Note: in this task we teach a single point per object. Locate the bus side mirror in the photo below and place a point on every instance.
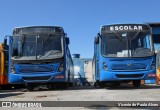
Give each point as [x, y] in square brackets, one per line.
[67, 41]
[97, 40]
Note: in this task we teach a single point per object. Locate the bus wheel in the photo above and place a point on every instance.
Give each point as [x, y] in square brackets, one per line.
[30, 87]
[6, 87]
[65, 85]
[116, 84]
[70, 84]
[18, 86]
[51, 86]
[101, 84]
[136, 83]
[62, 85]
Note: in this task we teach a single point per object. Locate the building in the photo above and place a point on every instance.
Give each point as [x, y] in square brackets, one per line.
[82, 70]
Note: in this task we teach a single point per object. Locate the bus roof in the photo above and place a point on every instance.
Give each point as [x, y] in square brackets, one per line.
[154, 24]
[38, 30]
[124, 27]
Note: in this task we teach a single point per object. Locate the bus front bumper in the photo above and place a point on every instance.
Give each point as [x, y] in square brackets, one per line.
[130, 75]
[37, 78]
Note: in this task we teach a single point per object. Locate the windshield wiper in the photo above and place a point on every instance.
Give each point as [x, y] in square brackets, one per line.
[52, 52]
[135, 35]
[119, 38]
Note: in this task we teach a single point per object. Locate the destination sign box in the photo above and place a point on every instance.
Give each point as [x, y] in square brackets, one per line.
[126, 27]
[38, 29]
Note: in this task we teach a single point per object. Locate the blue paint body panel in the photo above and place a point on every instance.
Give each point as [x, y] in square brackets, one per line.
[119, 70]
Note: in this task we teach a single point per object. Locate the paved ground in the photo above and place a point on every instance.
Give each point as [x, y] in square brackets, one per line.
[84, 93]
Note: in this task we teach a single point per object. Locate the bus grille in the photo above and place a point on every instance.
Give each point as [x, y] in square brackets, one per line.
[129, 75]
[132, 66]
[36, 78]
[36, 68]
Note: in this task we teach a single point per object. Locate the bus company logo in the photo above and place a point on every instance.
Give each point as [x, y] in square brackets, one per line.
[6, 104]
[35, 67]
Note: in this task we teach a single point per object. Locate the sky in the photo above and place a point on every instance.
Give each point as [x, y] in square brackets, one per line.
[81, 19]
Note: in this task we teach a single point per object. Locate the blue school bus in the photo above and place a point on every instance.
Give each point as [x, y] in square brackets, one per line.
[123, 53]
[40, 55]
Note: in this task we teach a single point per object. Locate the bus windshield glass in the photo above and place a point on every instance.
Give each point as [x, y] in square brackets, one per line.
[126, 44]
[37, 47]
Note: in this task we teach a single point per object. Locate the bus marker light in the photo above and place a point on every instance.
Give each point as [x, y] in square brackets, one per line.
[151, 75]
[59, 76]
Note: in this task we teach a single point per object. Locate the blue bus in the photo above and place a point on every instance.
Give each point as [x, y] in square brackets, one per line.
[40, 55]
[123, 53]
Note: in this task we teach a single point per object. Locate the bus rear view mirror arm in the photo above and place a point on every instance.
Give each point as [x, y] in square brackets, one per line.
[67, 41]
[97, 38]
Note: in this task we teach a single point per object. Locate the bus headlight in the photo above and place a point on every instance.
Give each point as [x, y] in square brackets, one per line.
[104, 67]
[12, 69]
[152, 65]
[61, 68]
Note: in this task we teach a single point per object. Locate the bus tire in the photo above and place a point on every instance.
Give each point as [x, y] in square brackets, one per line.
[101, 84]
[30, 87]
[65, 85]
[51, 86]
[6, 87]
[116, 84]
[70, 84]
[136, 83]
[18, 86]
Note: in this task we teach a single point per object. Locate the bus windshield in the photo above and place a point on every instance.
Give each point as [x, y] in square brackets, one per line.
[126, 44]
[37, 47]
